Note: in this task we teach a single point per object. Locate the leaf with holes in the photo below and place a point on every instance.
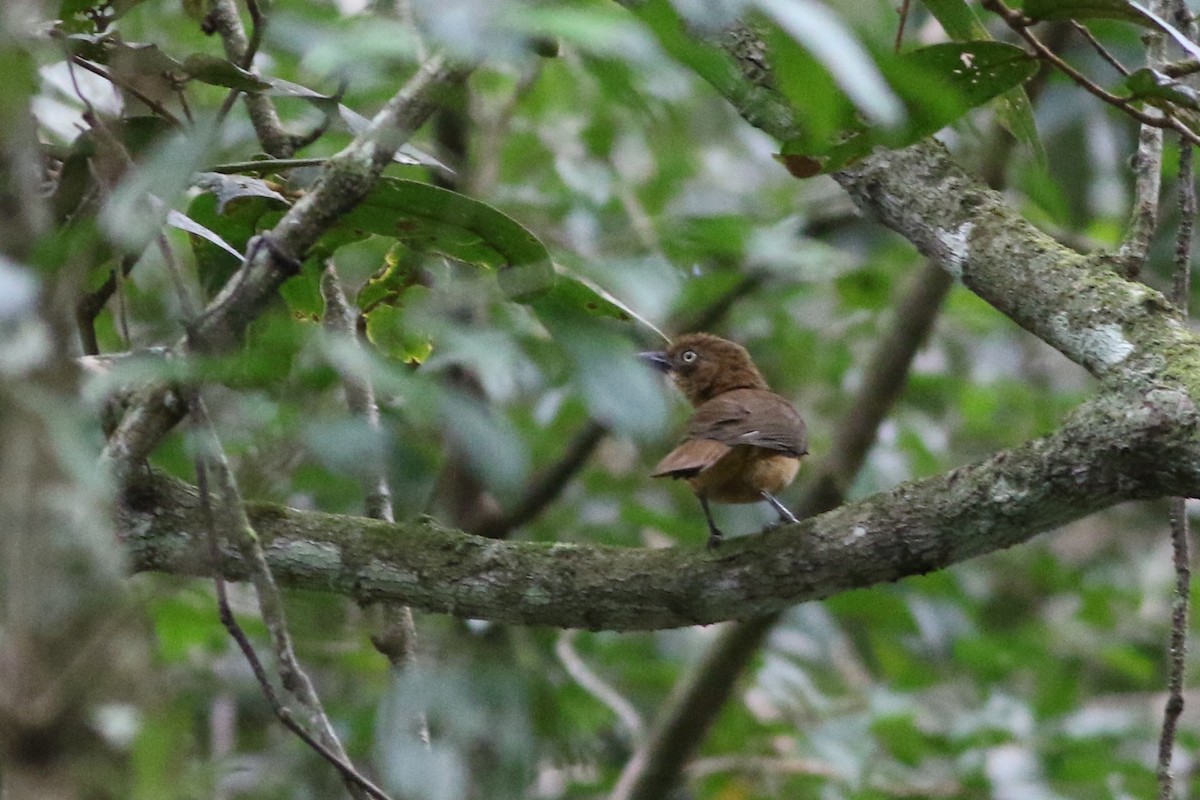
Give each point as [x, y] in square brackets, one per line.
[1013, 109]
[938, 85]
[430, 219]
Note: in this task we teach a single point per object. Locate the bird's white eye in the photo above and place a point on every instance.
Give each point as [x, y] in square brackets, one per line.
[688, 356]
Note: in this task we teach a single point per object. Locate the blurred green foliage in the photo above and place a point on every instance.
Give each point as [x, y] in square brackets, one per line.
[614, 169]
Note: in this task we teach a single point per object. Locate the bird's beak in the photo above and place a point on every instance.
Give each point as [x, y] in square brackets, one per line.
[656, 359]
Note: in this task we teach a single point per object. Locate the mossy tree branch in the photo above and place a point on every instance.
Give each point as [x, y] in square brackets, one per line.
[1115, 448]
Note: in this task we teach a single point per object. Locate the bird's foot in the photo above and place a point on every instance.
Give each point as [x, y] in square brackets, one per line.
[781, 509]
[714, 539]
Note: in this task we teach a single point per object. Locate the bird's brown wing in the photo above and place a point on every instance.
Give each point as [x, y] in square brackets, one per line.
[690, 458]
[752, 417]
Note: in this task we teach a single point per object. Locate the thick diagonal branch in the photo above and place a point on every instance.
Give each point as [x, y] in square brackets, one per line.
[1115, 448]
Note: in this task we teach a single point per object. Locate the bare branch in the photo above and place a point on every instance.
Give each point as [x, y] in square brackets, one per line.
[1180, 544]
[155, 106]
[593, 684]
[224, 20]
[1147, 168]
[233, 523]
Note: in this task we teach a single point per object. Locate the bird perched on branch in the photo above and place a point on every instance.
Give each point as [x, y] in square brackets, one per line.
[744, 443]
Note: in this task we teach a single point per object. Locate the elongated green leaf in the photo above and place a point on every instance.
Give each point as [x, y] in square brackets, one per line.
[958, 20]
[707, 61]
[235, 223]
[1107, 9]
[938, 84]
[222, 72]
[819, 31]
[386, 329]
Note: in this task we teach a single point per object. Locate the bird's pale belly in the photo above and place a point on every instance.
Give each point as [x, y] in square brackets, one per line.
[744, 473]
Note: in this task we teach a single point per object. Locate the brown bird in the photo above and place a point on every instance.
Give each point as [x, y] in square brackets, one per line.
[744, 442]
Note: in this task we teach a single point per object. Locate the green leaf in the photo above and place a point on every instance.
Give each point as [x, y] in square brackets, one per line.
[386, 285]
[1158, 89]
[823, 112]
[958, 20]
[217, 71]
[434, 220]
[232, 187]
[1123, 10]
[707, 61]
[819, 31]
[386, 329]
[235, 224]
[1013, 109]
[938, 84]
[302, 293]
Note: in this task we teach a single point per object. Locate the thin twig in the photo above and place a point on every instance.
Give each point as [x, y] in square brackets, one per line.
[1180, 547]
[903, 12]
[1100, 48]
[334, 756]
[596, 686]
[258, 23]
[155, 106]
[1147, 168]
[227, 104]
[183, 104]
[547, 485]
[1020, 25]
[266, 165]
[303, 140]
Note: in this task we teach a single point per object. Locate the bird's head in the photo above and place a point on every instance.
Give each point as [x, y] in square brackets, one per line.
[704, 366]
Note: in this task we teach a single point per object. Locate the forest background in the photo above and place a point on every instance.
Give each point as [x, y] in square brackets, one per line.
[396, 260]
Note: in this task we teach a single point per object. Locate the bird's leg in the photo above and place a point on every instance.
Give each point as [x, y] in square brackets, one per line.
[784, 514]
[714, 533]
